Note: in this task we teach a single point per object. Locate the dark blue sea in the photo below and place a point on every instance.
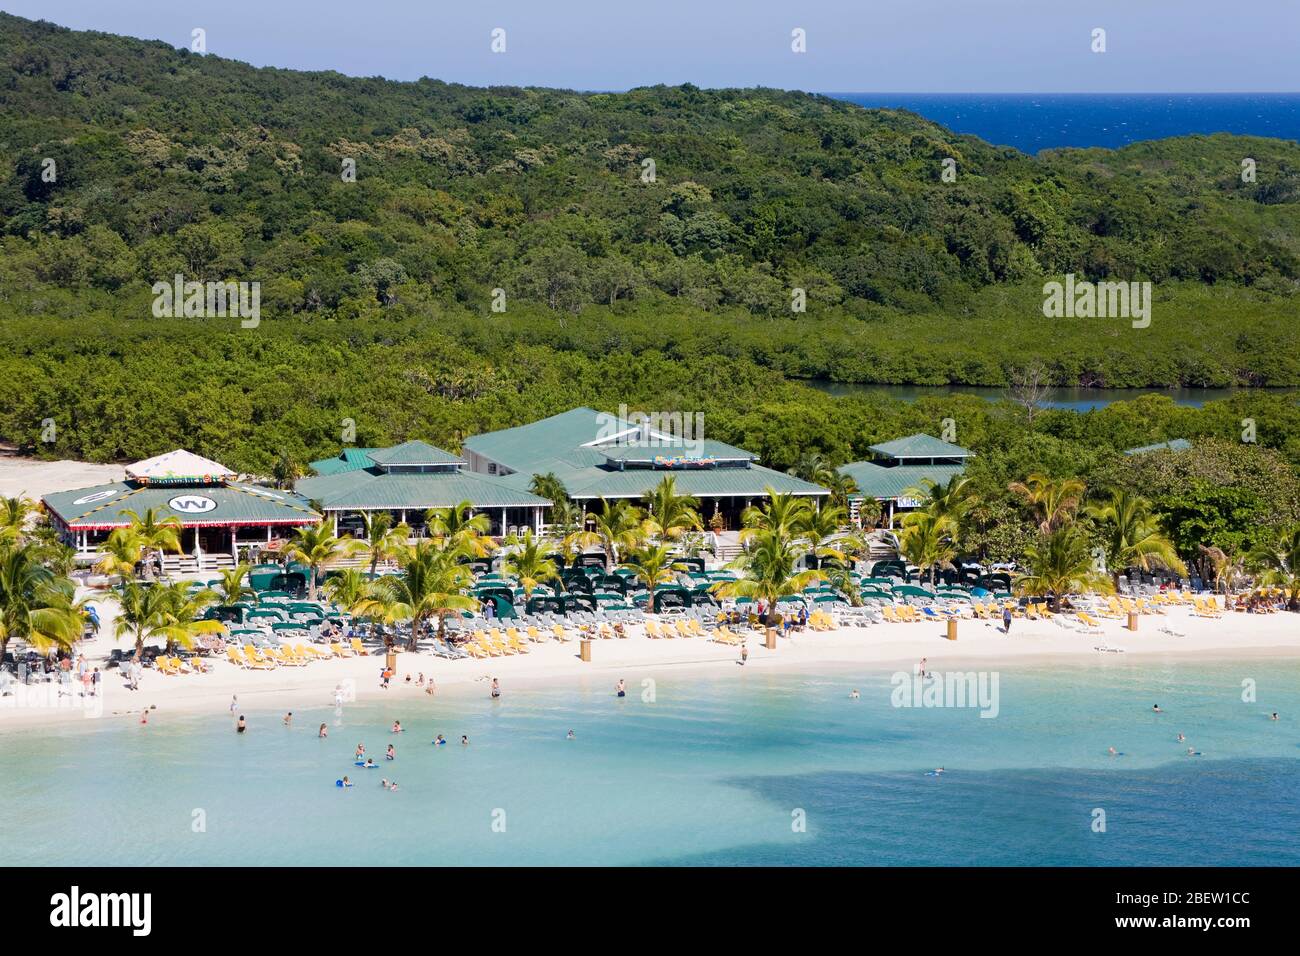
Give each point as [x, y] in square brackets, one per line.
[1033, 122]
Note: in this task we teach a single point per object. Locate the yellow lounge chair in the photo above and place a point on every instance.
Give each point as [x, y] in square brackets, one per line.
[357, 648]
[339, 650]
[560, 633]
[652, 630]
[255, 661]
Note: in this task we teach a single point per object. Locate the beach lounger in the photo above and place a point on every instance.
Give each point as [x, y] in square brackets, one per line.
[358, 649]
[1090, 625]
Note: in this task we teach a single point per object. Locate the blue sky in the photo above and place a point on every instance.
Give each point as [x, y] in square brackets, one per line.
[853, 45]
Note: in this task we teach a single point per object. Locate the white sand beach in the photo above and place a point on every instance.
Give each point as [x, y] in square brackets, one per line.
[878, 647]
[32, 478]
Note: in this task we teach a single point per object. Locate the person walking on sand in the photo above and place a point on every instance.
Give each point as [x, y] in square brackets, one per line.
[95, 679]
[744, 654]
[1006, 620]
[234, 704]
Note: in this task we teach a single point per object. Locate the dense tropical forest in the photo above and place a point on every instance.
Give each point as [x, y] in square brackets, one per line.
[668, 292]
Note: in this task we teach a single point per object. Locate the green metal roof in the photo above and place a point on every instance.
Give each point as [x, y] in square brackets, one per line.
[103, 506]
[371, 489]
[650, 452]
[877, 481]
[413, 453]
[750, 482]
[919, 446]
[1177, 444]
[520, 448]
[350, 459]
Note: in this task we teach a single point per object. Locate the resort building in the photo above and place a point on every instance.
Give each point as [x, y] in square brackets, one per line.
[597, 455]
[407, 480]
[900, 466]
[223, 520]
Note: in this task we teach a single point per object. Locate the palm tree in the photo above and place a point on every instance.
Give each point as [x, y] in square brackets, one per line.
[382, 540]
[36, 605]
[813, 467]
[315, 546]
[1224, 568]
[618, 526]
[141, 612]
[232, 589]
[458, 526]
[668, 514]
[432, 583]
[654, 566]
[179, 614]
[1279, 564]
[817, 526]
[842, 488]
[528, 562]
[120, 553]
[14, 516]
[1061, 563]
[926, 541]
[782, 513]
[1132, 536]
[155, 533]
[548, 486]
[1053, 501]
[768, 564]
[948, 501]
[286, 471]
[349, 588]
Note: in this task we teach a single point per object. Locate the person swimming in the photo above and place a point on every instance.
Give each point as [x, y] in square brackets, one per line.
[392, 754]
[323, 732]
[1193, 753]
[854, 695]
[397, 726]
[1181, 738]
[571, 735]
[1274, 716]
[1155, 709]
[464, 740]
[1112, 751]
[346, 782]
[288, 718]
[439, 741]
[240, 727]
[361, 751]
[370, 763]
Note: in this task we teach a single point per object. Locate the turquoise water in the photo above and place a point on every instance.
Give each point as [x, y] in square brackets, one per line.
[713, 771]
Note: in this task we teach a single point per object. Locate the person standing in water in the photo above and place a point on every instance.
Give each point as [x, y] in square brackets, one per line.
[240, 726]
[621, 688]
[496, 688]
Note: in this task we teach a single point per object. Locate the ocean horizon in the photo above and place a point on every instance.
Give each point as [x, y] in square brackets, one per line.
[1031, 122]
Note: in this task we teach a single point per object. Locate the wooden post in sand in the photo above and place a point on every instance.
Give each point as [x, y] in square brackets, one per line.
[770, 644]
[952, 629]
[584, 649]
[390, 660]
[1132, 620]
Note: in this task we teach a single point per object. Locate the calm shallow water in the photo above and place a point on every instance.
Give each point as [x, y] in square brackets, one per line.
[710, 773]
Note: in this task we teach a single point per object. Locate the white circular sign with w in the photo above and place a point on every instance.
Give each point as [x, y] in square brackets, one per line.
[192, 504]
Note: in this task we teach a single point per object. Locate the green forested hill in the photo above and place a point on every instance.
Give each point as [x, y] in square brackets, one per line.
[169, 162]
